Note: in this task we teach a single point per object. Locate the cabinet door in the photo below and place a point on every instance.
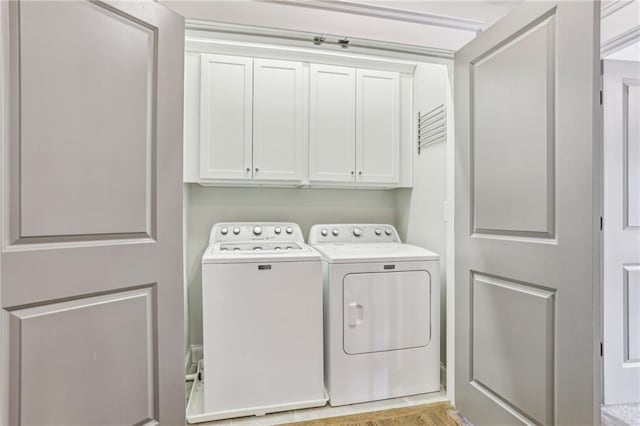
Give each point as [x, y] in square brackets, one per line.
[91, 306]
[225, 117]
[332, 119]
[386, 311]
[377, 126]
[278, 121]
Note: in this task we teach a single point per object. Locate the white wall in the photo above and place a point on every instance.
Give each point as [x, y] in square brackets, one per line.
[208, 205]
[185, 242]
[420, 210]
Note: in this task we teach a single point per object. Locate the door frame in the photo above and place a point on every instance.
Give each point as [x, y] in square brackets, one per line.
[602, 192]
[450, 241]
[4, 139]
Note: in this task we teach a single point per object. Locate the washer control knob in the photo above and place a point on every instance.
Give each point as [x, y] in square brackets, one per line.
[277, 230]
[289, 230]
[387, 231]
[236, 230]
[224, 231]
[378, 232]
[257, 230]
[324, 232]
[357, 232]
[335, 231]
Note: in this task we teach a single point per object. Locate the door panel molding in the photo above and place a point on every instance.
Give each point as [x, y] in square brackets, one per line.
[69, 355]
[631, 153]
[511, 145]
[508, 365]
[631, 309]
[503, 403]
[38, 168]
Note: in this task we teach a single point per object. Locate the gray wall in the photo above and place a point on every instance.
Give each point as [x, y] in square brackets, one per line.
[208, 205]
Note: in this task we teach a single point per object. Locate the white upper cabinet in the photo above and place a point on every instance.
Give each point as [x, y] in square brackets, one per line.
[278, 121]
[225, 117]
[258, 121]
[354, 126]
[332, 120]
[377, 126]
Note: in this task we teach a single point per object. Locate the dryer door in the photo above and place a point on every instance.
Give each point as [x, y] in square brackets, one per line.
[385, 311]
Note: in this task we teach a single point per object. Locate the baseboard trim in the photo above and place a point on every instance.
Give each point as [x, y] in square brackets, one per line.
[187, 361]
[192, 356]
[196, 353]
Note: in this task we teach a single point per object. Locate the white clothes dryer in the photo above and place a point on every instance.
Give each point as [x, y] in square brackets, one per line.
[381, 313]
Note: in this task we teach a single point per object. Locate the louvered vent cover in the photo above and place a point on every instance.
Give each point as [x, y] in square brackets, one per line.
[432, 127]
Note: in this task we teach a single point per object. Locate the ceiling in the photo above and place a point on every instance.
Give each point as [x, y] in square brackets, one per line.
[484, 11]
[445, 24]
[620, 25]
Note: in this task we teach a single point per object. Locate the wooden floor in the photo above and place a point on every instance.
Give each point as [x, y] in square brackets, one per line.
[441, 414]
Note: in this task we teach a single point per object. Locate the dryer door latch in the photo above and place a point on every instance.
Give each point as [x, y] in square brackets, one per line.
[356, 314]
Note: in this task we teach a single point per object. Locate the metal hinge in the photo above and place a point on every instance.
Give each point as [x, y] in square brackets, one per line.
[601, 223]
[601, 349]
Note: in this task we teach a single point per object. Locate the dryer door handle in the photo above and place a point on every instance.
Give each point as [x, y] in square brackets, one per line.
[355, 314]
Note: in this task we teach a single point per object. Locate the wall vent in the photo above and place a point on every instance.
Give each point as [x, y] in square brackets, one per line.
[432, 127]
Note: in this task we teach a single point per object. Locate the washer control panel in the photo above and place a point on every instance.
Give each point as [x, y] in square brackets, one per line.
[226, 232]
[353, 233]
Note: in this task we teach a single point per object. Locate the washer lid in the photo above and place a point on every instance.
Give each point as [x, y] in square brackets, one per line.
[248, 252]
[383, 252]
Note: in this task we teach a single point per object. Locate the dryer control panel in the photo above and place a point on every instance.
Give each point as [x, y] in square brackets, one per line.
[226, 232]
[349, 233]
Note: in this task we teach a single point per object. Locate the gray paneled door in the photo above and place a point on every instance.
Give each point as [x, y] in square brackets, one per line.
[621, 296]
[90, 283]
[527, 218]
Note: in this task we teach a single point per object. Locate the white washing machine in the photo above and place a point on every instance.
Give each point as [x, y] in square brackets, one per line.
[381, 313]
[262, 321]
